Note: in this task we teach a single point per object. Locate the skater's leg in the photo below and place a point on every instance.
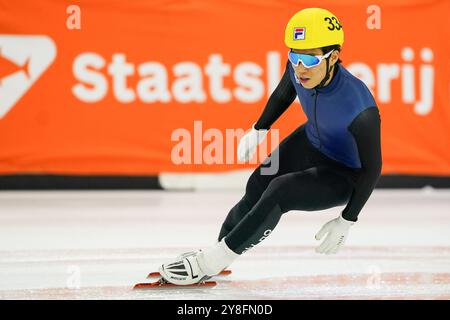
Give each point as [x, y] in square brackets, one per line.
[253, 192]
[313, 189]
[294, 153]
[234, 216]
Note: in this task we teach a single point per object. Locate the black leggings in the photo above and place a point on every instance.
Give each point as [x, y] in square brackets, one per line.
[306, 180]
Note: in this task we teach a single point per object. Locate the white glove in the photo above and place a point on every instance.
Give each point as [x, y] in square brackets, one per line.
[337, 230]
[249, 142]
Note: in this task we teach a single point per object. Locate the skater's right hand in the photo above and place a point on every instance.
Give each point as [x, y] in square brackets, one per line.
[249, 142]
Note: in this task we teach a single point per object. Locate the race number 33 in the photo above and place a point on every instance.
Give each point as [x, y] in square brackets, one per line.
[334, 23]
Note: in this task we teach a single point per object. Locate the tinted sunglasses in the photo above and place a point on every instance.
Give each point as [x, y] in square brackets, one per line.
[307, 60]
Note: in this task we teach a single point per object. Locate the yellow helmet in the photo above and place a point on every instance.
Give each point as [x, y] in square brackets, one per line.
[313, 28]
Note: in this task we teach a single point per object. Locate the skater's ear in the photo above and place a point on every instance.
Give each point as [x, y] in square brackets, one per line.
[334, 58]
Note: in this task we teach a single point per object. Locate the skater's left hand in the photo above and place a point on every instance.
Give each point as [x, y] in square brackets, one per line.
[337, 230]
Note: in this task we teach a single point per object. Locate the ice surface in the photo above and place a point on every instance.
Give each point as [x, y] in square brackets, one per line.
[97, 245]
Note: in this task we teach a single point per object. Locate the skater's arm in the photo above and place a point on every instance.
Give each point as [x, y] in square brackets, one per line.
[281, 98]
[366, 130]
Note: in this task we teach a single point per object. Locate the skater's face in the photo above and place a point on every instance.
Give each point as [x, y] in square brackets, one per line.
[311, 77]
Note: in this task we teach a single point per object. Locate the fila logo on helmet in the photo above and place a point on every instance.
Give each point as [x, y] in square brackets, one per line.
[299, 33]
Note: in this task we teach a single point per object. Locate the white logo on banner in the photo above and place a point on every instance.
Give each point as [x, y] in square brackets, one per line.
[23, 59]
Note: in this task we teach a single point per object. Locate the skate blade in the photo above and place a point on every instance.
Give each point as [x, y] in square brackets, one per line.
[160, 284]
[158, 275]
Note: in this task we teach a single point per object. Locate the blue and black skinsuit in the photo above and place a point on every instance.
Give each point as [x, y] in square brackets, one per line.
[333, 159]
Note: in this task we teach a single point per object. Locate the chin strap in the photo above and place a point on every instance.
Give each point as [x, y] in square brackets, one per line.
[327, 75]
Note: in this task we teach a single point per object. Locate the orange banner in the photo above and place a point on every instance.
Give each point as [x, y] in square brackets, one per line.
[113, 87]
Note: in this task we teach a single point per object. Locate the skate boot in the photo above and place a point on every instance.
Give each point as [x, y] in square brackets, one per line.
[185, 255]
[199, 266]
[186, 271]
